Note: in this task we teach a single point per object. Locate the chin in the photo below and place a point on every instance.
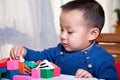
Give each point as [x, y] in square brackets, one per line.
[69, 50]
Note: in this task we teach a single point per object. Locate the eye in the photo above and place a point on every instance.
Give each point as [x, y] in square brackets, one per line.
[70, 32]
[61, 30]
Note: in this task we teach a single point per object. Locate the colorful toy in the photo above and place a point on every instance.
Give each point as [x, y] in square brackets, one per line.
[20, 77]
[36, 73]
[56, 71]
[26, 70]
[12, 65]
[3, 62]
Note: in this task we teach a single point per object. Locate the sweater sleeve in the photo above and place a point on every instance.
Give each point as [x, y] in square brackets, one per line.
[106, 69]
[48, 54]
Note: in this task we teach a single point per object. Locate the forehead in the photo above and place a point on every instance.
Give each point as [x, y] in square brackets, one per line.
[72, 13]
[72, 18]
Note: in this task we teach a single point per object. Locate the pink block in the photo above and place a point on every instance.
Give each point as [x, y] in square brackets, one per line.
[36, 73]
[57, 70]
[21, 77]
[12, 65]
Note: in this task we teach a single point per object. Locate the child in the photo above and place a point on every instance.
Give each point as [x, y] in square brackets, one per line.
[81, 22]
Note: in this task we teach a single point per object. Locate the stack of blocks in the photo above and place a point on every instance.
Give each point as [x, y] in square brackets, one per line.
[17, 70]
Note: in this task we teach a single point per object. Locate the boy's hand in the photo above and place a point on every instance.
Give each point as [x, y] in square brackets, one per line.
[81, 73]
[17, 51]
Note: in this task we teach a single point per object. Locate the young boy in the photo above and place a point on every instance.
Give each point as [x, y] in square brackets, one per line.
[81, 22]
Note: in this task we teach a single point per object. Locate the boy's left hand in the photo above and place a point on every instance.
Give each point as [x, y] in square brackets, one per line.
[81, 73]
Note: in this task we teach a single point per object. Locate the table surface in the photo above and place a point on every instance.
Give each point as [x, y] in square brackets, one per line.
[61, 77]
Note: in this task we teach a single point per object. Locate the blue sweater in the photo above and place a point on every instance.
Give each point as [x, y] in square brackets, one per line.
[95, 60]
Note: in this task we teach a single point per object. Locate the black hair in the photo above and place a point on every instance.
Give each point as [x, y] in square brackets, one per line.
[93, 11]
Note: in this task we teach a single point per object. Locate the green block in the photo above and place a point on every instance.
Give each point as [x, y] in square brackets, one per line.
[31, 64]
[0, 76]
[46, 73]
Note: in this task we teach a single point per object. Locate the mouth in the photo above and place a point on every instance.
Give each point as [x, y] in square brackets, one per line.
[64, 44]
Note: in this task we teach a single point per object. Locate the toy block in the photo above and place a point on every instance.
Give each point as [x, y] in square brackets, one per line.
[31, 64]
[3, 62]
[10, 73]
[3, 70]
[12, 65]
[38, 62]
[0, 76]
[36, 73]
[57, 70]
[45, 64]
[23, 69]
[20, 77]
[46, 73]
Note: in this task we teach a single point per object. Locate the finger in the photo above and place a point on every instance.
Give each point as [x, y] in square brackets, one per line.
[78, 73]
[12, 55]
[83, 74]
[88, 75]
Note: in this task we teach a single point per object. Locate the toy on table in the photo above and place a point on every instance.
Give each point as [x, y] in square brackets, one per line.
[26, 70]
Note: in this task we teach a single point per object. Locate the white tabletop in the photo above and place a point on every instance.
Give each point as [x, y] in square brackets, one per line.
[61, 77]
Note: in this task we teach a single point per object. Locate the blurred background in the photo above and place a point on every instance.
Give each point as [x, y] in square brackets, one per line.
[35, 23]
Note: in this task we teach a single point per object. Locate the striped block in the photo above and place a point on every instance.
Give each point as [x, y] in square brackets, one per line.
[23, 69]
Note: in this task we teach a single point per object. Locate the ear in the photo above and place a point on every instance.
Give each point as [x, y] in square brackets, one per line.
[93, 34]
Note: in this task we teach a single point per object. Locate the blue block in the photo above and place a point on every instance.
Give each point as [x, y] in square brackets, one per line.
[25, 74]
[10, 73]
[3, 70]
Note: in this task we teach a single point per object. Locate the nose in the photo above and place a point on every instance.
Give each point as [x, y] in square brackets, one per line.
[63, 35]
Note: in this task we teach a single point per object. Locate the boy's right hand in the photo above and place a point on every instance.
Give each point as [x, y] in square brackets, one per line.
[17, 51]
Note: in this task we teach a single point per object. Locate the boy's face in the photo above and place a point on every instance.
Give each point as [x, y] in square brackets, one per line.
[74, 31]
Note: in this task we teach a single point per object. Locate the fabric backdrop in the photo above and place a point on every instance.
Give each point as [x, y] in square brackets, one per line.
[35, 23]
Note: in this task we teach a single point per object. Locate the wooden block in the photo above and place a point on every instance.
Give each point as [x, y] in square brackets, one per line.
[20, 77]
[0, 76]
[31, 64]
[46, 73]
[36, 73]
[10, 73]
[3, 62]
[23, 69]
[12, 65]
[38, 62]
[57, 70]
[3, 70]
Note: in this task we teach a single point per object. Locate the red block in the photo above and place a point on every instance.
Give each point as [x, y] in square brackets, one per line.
[117, 65]
[3, 62]
[57, 70]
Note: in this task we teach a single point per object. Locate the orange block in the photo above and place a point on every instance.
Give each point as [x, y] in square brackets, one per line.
[23, 69]
[3, 62]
